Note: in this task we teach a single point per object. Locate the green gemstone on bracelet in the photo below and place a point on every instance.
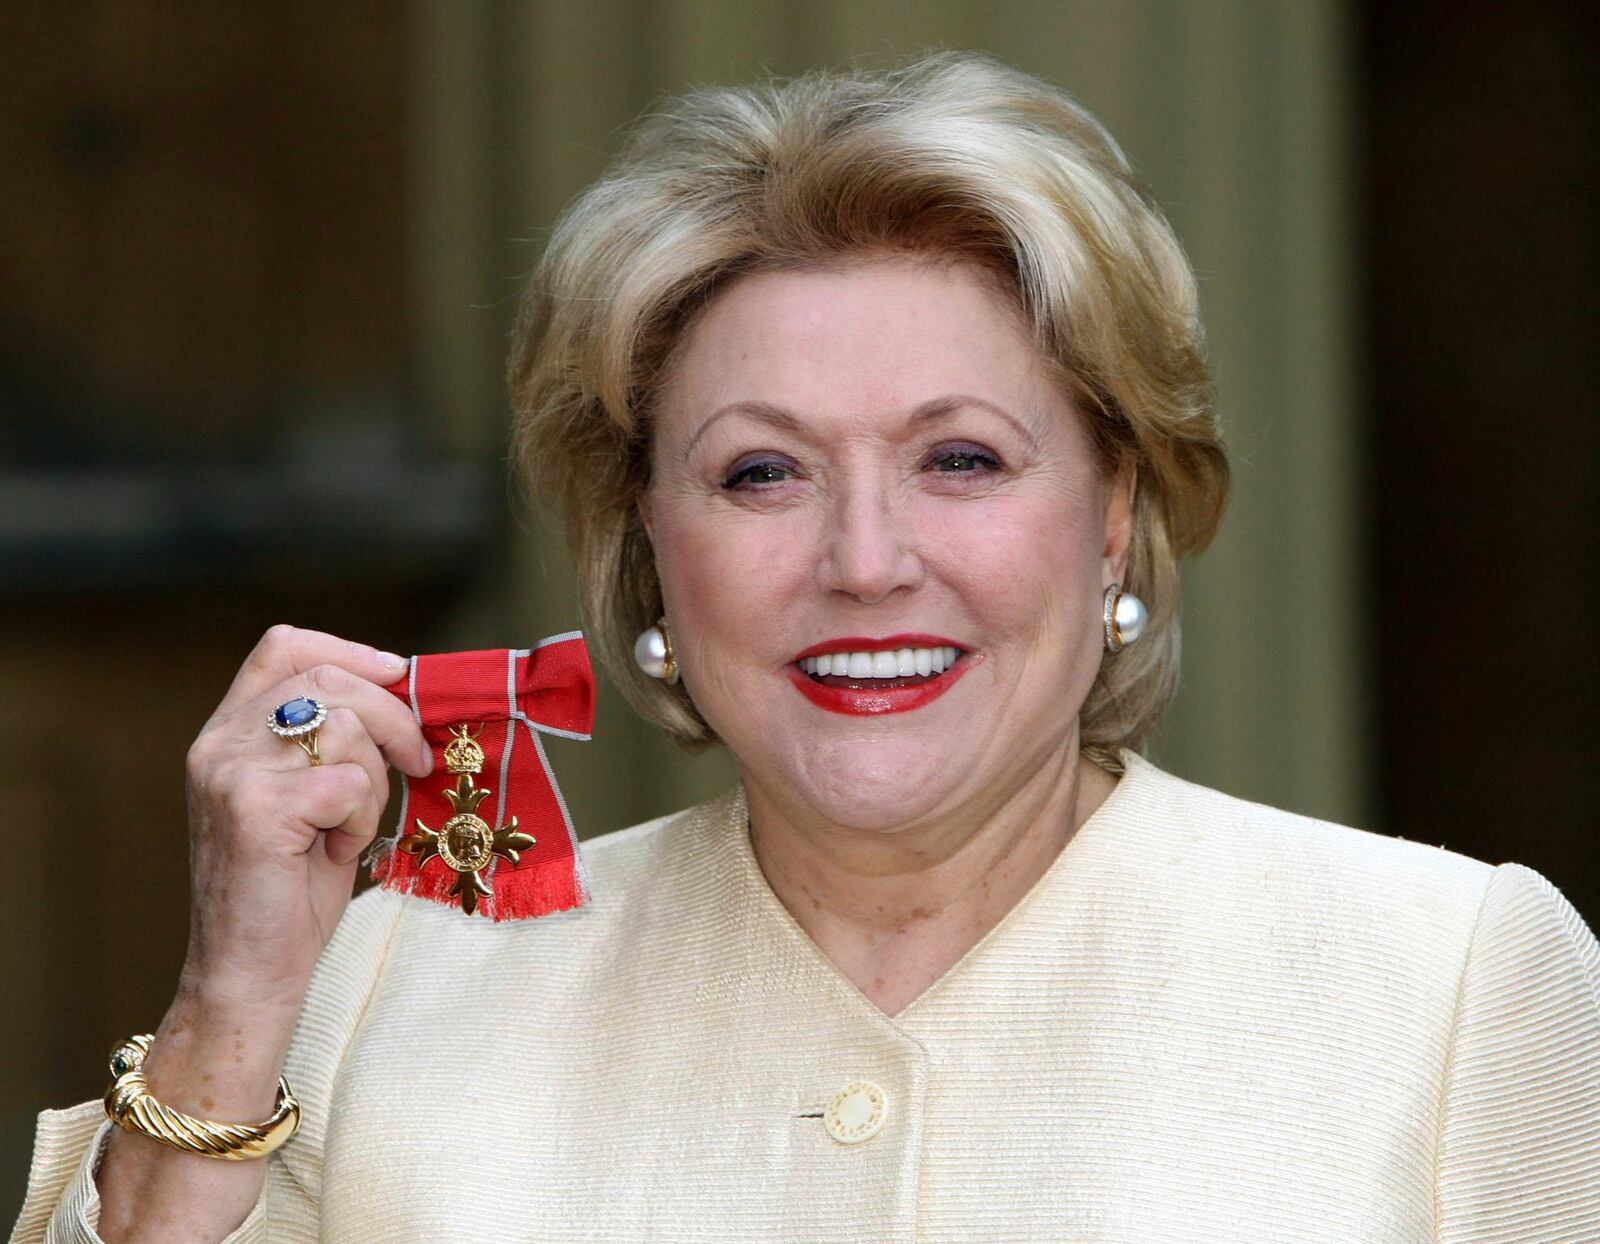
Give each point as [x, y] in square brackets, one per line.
[121, 1065]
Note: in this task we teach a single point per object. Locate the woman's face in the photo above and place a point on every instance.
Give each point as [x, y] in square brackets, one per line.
[864, 461]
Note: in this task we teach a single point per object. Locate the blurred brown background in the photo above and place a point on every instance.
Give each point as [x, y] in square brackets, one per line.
[256, 270]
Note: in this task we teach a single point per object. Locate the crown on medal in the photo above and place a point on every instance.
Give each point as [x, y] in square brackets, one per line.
[462, 753]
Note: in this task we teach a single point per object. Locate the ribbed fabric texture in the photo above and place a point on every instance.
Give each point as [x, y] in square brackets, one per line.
[1520, 1117]
[1208, 1021]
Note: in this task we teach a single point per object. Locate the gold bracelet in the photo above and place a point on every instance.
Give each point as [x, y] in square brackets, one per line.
[131, 1107]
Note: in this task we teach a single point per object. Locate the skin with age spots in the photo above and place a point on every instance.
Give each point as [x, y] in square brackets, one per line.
[874, 449]
[273, 850]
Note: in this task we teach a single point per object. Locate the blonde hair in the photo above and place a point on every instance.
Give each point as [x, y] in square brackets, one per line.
[953, 155]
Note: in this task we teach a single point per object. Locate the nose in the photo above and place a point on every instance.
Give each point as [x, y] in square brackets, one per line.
[869, 547]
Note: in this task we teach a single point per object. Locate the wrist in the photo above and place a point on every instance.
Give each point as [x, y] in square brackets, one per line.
[210, 990]
[219, 1057]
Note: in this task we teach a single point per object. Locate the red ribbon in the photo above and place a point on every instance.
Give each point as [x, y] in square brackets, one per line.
[513, 694]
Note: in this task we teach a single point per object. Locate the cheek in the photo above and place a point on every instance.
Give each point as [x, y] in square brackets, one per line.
[723, 579]
[725, 583]
[1028, 566]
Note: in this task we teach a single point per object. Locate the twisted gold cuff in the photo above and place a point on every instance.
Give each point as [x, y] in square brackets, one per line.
[131, 1107]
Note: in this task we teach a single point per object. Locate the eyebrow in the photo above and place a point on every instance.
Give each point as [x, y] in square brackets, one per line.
[933, 409]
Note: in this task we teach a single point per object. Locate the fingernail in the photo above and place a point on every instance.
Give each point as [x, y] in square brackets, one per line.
[392, 659]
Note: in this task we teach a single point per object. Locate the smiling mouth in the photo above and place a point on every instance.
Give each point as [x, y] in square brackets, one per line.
[870, 683]
[881, 670]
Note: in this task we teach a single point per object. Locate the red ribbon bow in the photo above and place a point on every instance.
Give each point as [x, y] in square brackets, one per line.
[548, 688]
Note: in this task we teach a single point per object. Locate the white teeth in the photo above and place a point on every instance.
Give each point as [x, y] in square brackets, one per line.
[893, 663]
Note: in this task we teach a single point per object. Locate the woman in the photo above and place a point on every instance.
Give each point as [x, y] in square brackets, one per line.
[885, 395]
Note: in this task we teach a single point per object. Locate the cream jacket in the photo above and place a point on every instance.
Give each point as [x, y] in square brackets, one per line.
[1208, 1021]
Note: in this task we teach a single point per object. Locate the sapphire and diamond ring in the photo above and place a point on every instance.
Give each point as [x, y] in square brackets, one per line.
[298, 720]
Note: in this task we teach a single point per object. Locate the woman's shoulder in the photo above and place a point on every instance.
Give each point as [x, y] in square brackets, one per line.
[1313, 898]
[640, 855]
[1273, 854]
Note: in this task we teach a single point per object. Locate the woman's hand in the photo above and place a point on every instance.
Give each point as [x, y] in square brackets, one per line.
[273, 848]
[274, 841]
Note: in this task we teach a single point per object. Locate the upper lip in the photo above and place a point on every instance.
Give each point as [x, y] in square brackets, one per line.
[887, 643]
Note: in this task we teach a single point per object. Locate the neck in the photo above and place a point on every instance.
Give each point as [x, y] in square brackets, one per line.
[895, 911]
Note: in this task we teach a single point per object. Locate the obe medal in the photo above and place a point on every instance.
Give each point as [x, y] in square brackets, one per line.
[466, 842]
[446, 849]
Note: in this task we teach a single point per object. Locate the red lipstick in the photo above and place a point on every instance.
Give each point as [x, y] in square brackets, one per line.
[869, 697]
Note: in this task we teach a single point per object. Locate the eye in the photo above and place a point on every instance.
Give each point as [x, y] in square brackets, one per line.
[964, 460]
[752, 476]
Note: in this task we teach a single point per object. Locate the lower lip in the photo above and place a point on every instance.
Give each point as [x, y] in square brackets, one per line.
[871, 702]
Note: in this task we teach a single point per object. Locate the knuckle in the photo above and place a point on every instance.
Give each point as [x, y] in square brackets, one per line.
[197, 763]
[328, 679]
[229, 780]
[204, 776]
[360, 782]
[342, 735]
[221, 780]
[275, 641]
[343, 722]
[360, 823]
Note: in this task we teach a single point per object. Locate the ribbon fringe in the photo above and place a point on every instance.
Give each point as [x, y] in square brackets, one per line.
[520, 893]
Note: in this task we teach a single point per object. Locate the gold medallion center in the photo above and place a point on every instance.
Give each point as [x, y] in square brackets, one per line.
[466, 843]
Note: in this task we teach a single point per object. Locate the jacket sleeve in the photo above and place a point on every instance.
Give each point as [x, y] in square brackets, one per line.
[1519, 1145]
[62, 1204]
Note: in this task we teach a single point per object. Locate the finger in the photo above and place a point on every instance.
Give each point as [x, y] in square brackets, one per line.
[349, 742]
[343, 739]
[338, 802]
[322, 798]
[346, 842]
[285, 651]
[388, 722]
[348, 839]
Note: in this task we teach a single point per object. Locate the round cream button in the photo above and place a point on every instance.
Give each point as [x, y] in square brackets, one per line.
[856, 1113]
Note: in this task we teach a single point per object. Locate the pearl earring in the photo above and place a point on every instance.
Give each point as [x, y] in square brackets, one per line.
[1125, 616]
[652, 651]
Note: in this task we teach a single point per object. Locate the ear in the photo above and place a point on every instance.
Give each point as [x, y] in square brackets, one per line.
[1118, 519]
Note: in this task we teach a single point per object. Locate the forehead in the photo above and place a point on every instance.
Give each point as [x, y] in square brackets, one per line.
[880, 335]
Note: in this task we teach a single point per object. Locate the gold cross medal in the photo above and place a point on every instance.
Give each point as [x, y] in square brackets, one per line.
[465, 842]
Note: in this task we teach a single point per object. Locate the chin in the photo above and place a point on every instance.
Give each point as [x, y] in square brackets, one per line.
[875, 785]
